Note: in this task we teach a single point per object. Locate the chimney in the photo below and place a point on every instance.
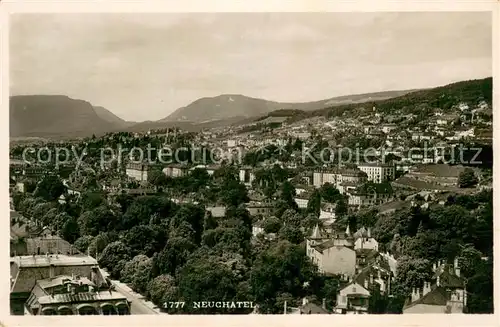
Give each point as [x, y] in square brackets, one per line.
[415, 294]
[457, 268]
[427, 288]
[366, 283]
[371, 279]
[369, 233]
[304, 301]
[323, 304]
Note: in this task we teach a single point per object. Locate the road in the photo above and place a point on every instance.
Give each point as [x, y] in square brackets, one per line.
[139, 305]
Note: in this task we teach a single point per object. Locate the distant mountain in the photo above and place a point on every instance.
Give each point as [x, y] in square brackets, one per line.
[110, 117]
[234, 105]
[57, 115]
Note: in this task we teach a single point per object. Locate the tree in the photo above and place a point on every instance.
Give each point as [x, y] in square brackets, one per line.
[209, 221]
[412, 273]
[469, 259]
[144, 208]
[114, 257]
[40, 210]
[70, 231]
[480, 288]
[287, 194]
[99, 243]
[467, 178]
[292, 218]
[330, 290]
[292, 234]
[341, 208]
[124, 200]
[314, 203]
[162, 289]
[92, 200]
[271, 225]
[83, 242]
[145, 239]
[173, 256]
[276, 271]
[50, 188]
[233, 193]
[29, 186]
[98, 220]
[138, 272]
[157, 177]
[60, 220]
[191, 215]
[310, 222]
[329, 193]
[49, 217]
[211, 278]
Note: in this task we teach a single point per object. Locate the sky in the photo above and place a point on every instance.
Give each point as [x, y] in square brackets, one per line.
[145, 66]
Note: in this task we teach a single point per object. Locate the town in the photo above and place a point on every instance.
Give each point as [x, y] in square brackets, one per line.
[378, 207]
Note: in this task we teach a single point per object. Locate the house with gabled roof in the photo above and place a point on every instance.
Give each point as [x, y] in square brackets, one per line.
[353, 298]
[333, 254]
[444, 293]
[364, 240]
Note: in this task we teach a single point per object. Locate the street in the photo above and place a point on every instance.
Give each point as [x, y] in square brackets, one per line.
[139, 305]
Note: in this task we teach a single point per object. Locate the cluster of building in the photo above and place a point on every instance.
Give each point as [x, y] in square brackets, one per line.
[48, 276]
[364, 271]
[59, 284]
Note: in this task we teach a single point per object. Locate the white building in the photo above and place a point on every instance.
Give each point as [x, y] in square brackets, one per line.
[137, 171]
[378, 172]
[332, 255]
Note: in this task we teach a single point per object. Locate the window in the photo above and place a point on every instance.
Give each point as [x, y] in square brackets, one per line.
[354, 289]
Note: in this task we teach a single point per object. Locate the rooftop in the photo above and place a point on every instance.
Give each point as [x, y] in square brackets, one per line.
[56, 260]
[312, 308]
[440, 170]
[81, 297]
[375, 164]
[437, 296]
[327, 245]
[59, 280]
[217, 212]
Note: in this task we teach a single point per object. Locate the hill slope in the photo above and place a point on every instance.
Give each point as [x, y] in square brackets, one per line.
[55, 115]
[444, 97]
[110, 117]
[232, 105]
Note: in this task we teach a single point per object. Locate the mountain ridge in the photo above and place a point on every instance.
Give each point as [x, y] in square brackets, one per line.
[62, 116]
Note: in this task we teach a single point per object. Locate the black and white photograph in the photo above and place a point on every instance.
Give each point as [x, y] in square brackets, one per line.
[251, 163]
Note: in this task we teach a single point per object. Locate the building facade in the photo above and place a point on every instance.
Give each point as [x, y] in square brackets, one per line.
[378, 172]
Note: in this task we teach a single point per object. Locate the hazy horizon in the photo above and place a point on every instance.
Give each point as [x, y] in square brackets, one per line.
[145, 66]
